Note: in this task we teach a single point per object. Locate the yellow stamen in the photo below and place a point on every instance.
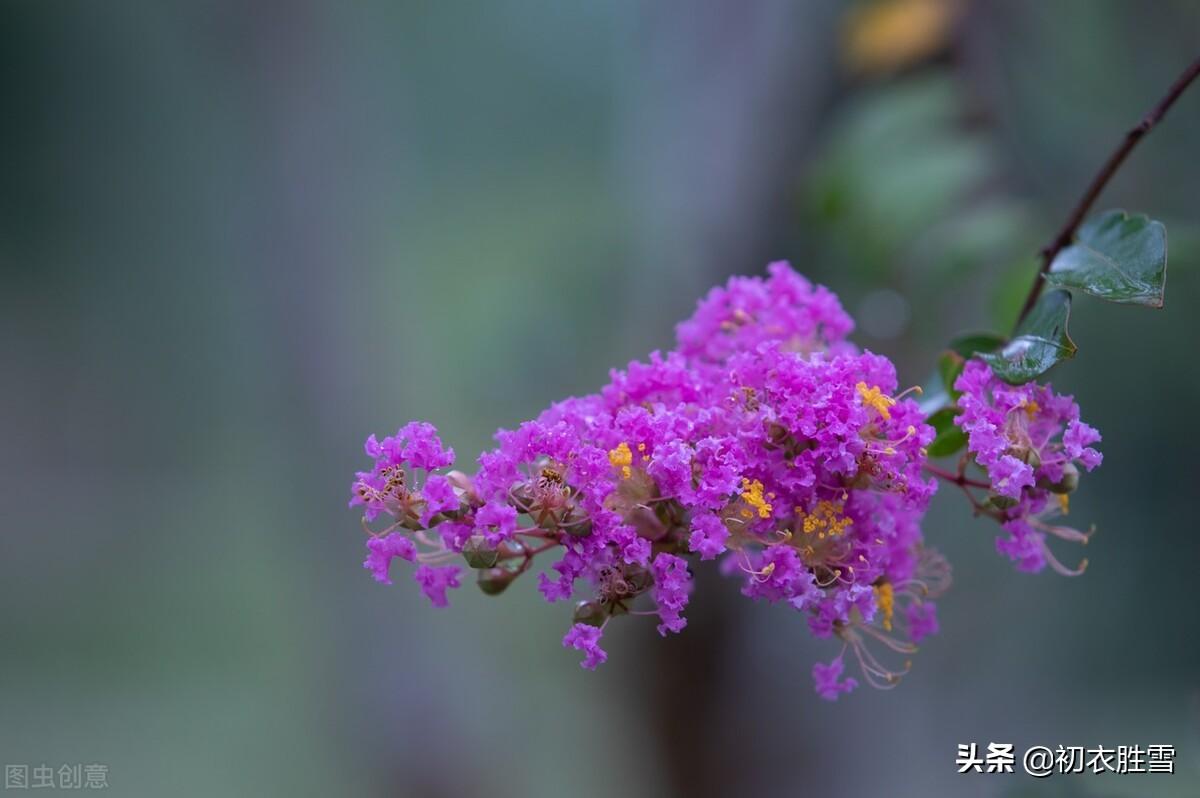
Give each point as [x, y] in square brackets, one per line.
[885, 599]
[761, 575]
[1032, 408]
[1064, 503]
[873, 397]
[826, 520]
[622, 457]
[752, 494]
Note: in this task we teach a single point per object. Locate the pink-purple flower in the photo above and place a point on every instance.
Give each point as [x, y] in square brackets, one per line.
[829, 681]
[1031, 443]
[585, 638]
[764, 440]
[672, 584]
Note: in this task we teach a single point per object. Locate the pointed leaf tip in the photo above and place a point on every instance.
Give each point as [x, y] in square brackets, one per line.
[1117, 257]
[1041, 341]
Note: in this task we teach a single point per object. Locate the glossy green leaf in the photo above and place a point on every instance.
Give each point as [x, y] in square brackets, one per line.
[949, 438]
[1041, 341]
[1116, 257]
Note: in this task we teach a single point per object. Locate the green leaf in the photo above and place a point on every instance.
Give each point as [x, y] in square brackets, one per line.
[949, 438]
[1041, 341]
[940, 389]
[969, 344]
[1116, 257]
[950, 365]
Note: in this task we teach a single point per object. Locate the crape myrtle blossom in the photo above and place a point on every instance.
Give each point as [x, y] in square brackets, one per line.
[1031, 444]
[764, 441]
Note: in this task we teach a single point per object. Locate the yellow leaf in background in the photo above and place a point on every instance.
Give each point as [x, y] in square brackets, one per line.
[886, 35]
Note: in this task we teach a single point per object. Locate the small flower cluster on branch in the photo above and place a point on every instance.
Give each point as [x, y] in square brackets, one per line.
[764, 440]
[1031, 443]
[767, 442]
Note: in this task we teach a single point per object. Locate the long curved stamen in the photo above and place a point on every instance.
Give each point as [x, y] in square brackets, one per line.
[785, 536]
[1057, 565]
[759, 575]
[899, 646]
[914, 589]
[437, 557]
[837, 575]
[423, 537]
[390, 528]
[1064, 532]
[879, 667]
[873, 671]
[890, 449]
[934, 572]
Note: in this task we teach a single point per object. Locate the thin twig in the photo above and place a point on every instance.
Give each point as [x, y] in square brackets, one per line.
[957, 479]
[965, 483]
[1136, 134]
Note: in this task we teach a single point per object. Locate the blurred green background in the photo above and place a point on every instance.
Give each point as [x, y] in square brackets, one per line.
[237, 237]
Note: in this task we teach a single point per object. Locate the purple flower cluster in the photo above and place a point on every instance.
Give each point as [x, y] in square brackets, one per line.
[764, 440]
[1032, 444]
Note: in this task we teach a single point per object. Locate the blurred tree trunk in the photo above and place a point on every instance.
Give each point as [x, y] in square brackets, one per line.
[714, 133]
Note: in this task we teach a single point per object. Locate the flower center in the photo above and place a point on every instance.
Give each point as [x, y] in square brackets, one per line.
[752, 494]
[873, 397]
[622, 458]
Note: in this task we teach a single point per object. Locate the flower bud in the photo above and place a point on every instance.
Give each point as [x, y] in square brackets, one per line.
[1067, 484]
[494, 581]
[463, 482]
[580, 529]
[590, 612]
[1001, 502]
[646, 522]
[521, 498]
[637, 577]
[479, 554]
[777, 434]
[1031, 457]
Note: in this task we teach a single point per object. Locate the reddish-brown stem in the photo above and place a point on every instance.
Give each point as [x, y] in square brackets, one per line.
[527, 553]
[957, 479]
[965, 483]
[537, 532]
[1135, 134]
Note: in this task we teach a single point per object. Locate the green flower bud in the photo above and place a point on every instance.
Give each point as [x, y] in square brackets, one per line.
[479, 554]
[495, 581]
[1068, 483]
[579, 529]
[1001, 502]
[590, 612]
[1031, 457]
[637, 577]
